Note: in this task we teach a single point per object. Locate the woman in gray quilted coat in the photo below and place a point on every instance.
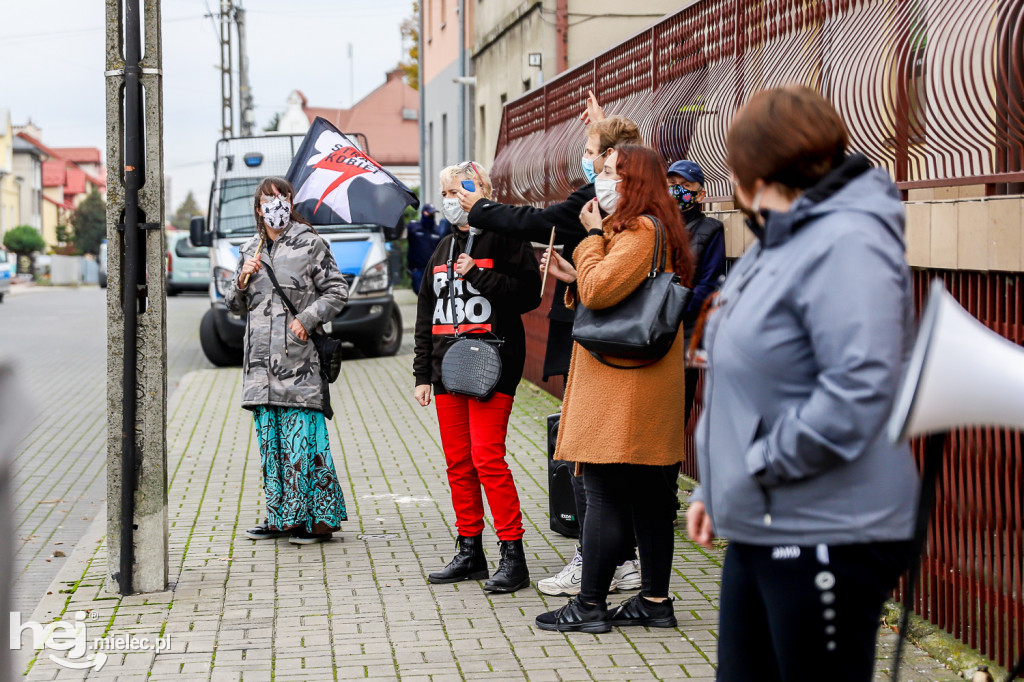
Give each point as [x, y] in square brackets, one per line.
[281, 381]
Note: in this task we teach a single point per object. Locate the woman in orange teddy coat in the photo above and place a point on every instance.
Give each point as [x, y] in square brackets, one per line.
[624, 427]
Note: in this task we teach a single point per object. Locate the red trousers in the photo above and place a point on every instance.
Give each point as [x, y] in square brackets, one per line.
[473, 437]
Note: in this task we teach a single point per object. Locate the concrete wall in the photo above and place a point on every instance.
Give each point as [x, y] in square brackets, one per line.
[983, 234]
[505, 32]
[441, 114]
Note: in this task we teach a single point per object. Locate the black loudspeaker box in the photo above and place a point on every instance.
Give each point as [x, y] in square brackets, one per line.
[561, 500]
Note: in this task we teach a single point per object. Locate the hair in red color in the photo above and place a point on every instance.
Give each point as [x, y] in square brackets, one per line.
[643, 189]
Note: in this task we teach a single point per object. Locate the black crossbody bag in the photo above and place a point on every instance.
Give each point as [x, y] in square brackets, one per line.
[472, 366]
[328, 348]
[642, 326]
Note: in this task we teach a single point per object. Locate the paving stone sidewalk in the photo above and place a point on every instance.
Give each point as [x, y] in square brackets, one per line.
[359, 606]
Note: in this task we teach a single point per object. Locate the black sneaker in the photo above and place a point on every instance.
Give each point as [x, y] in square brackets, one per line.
[576, 617]
[263, 532]
[301, 537]
[639, 611]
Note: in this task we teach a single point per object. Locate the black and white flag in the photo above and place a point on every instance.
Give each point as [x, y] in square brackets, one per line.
[337, 184]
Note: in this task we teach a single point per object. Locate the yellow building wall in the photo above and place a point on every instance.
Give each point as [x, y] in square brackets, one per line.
[51, 214]
[10, 196]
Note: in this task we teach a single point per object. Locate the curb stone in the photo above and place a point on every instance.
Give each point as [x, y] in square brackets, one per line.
[940, 645]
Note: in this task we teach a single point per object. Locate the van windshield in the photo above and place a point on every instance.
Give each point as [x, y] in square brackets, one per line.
[235, 211]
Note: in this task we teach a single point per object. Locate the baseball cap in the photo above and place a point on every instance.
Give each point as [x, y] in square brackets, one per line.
[688, 170]
[429, 209]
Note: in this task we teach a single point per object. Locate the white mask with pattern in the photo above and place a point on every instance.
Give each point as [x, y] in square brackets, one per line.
[277, 213]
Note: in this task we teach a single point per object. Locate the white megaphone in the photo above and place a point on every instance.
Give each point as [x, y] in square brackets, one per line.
[960, 374]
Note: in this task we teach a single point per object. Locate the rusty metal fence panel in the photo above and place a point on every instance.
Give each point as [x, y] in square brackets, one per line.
[933, 90]
[971, 575]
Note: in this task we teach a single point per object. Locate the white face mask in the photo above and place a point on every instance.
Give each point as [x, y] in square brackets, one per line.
[454, 212]
[277, 213]
[607, 196]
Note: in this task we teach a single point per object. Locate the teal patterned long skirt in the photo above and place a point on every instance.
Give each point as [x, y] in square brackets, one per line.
[299, 480]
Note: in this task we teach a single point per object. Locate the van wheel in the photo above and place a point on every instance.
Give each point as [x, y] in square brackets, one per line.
[390, 339]
[215, 350]
[172, 291]
[103, 282]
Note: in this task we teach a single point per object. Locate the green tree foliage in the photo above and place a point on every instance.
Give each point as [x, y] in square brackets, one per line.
[65, 242]
[24, 240]
[410, 28]
[189, 207]
[273, 123]
[90, 223]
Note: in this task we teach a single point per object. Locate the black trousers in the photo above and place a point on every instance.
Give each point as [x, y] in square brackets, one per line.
[627, 501]
[794, 613]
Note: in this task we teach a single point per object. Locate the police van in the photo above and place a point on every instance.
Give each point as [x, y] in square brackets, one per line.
[371, 319]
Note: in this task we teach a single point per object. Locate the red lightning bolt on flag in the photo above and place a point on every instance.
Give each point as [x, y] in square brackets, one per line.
[349, 162]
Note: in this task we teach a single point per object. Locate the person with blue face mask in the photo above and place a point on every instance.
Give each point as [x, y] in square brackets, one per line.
[476, 285]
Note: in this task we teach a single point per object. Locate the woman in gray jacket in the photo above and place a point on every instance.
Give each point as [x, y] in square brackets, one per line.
[806, 347]
[281, 381]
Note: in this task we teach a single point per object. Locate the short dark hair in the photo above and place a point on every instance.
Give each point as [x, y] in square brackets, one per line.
[789, 135]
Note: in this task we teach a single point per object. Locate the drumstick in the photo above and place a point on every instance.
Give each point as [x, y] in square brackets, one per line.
[544, 275]
[245, 282]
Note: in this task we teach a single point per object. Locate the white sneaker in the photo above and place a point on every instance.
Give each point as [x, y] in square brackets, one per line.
[626, 576]
[567, 582]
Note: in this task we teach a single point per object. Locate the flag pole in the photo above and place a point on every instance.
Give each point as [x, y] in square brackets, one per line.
[259, 247]
[544, 275]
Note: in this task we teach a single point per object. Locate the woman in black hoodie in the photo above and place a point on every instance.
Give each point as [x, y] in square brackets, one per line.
[497, 280]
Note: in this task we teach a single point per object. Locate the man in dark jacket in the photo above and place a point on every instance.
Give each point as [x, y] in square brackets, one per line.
[423, 235]
[707, 240]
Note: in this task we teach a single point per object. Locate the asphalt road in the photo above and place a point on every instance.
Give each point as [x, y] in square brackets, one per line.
[57, 338]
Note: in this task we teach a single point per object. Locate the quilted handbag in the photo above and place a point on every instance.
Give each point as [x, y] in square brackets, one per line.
[644, 325]
[471, 366]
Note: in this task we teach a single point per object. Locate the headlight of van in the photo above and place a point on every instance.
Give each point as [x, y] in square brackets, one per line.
[222, 280]
[376, 278]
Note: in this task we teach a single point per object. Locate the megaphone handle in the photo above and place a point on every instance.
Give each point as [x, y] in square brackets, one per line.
[934, 446]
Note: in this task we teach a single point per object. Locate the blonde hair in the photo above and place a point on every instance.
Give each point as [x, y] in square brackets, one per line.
[473, 171]
[613, 131]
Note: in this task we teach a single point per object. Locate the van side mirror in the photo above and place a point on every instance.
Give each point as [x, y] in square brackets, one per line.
[394, 233]
[197, 232]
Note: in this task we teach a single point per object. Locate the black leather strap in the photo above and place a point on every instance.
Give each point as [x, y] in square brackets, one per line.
[277, 287]
[600, 359]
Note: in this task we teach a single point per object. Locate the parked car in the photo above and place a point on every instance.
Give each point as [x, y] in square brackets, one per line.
[188, 266]
[101, 260]
[7, 261]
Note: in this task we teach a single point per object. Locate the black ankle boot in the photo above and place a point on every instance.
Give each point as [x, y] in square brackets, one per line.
[512, 573]
[469, 563]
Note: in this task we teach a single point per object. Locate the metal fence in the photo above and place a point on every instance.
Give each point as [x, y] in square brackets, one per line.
[933, 90]
[971, 575]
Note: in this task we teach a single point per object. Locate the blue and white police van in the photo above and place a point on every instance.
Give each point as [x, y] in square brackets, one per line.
[371, 319]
